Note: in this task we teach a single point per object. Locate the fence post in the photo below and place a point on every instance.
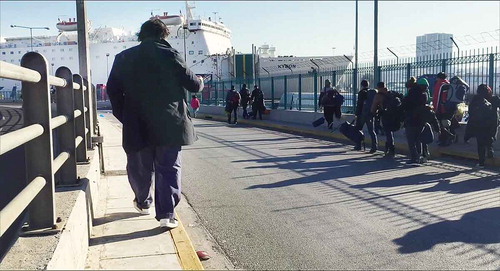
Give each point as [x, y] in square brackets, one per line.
[315, 92]
[88, 116]
[285, 86]
[491, 71]
[66, 106]
[81, 149]
[300, 92]
[354, 89]
[39, 151]
[272, 93]
[443, 65]
[408, 71]
[334, 79]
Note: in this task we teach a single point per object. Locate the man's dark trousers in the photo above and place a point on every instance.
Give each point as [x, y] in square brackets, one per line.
[165, 162]
[234, 111]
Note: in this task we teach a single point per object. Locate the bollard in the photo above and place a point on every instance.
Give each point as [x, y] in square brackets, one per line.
[81, 149]
[94, 109]
[38, 152]
[66, 107]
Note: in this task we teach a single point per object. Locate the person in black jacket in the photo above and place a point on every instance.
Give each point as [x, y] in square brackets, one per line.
[245, 99]
[233, 99]
[363, 114]
[482, 123]
[258, 105]
[147, 88]
[417, 115]
[495, 105]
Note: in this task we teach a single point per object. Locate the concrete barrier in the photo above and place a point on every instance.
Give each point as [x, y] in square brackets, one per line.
[68, 248]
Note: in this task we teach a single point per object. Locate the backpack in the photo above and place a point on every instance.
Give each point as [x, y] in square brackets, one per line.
[456, 91]
[235, 98]
[332, 98]
[392, 113]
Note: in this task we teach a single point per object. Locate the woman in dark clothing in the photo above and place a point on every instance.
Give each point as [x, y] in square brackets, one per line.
[417, 114]
[495, 105]
[483, 122]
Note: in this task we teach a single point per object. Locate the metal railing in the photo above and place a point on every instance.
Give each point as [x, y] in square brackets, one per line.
[73, 137]
[301, 91]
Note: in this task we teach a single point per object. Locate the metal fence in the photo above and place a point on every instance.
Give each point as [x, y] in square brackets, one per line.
[72, 125]
[301, 91]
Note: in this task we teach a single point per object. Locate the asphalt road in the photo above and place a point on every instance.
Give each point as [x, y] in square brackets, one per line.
[280, 201]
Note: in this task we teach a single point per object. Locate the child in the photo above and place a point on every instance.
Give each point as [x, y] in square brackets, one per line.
[195, 105]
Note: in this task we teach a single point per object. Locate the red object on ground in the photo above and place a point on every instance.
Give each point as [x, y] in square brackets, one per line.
[202, 255]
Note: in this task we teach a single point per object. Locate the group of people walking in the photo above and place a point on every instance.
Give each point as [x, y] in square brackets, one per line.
[244, 98]
[422, 115]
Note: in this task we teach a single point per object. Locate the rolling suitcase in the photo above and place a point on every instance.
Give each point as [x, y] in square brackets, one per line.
[349, 130]
[318, 122]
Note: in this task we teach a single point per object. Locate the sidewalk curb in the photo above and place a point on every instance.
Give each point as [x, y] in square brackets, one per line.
[185, 250]
[435, 151]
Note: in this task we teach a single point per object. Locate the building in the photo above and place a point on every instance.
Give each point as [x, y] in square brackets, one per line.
[434, 44]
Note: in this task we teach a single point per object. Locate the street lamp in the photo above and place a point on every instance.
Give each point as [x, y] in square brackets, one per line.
[107, 64]
[312, 60]
[31, 31]
[451, 38]
[333, 50]
[397, 58]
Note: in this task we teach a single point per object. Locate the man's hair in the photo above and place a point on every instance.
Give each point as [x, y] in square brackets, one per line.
[381, 85]
[364, 83]
[244, 85]
[442, 75]
[153, 28]
[194, 96]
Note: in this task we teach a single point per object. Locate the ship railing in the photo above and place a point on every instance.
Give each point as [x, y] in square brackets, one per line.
[73, 96]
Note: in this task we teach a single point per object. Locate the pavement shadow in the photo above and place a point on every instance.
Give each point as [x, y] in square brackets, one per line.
[126, 236]
[477, 227]
[114, 217]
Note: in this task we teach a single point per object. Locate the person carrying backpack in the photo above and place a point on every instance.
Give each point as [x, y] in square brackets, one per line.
[483, 122]
[258, 105]
[331, 101]
[418, 117]
[364, 116]
[388, 104]
[245, 99]
[232, 102]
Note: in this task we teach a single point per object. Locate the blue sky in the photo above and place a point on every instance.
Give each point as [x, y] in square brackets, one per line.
[294, 27]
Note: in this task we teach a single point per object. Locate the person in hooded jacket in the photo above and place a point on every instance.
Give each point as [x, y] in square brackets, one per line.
[378, 106]
[417, 115]
[258, 105]
[495, 105]
[364, 115]
[245, 99]
[482, 123]
[233, 99]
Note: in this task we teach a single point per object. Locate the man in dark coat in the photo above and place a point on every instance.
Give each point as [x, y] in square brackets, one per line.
[245, 99]
[363, 114]
[258, 105]
[147, 88]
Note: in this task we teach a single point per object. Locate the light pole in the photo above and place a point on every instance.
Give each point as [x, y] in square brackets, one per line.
[52, 64]
[375, 54]
[31, 31]
[333, 50]
[107, 64]
[397, 58]
[451, 38]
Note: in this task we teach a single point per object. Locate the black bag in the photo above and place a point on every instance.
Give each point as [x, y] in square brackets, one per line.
[318, 122]
[427, 136]
[348, 129]
[393, 115]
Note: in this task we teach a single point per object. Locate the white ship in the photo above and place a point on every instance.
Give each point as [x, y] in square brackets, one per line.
[205, 43]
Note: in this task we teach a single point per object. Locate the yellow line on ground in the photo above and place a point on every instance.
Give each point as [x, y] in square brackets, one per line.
[185, 250]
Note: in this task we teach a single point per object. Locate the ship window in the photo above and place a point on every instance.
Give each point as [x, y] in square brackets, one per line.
[192, 24]
[194, 61]
[70, 57]
[96, 56]
[203, 61]
[44, 51]
[12, 60]
[53, 50]
[53, 58]
[62, 58]
[199, 23]
[200, 52]
[70, 49]
[3, 53]
[11, 52]
[62, 50]
[191, 52]
[36, 51]
[192, 42]
[19, 52]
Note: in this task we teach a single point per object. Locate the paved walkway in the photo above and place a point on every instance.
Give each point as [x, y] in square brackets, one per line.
[122, 238]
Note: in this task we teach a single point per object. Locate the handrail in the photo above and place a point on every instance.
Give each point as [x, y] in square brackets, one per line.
[58, 121]
[59, 161]
[78, 140]
[19, 137]
[56, 81]
[77, 113]
[16, 206]
[11, 71]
